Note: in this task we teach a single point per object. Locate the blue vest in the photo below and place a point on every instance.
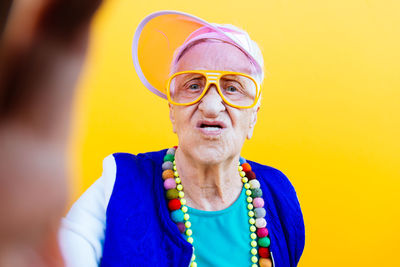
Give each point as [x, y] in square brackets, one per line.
[140, 232]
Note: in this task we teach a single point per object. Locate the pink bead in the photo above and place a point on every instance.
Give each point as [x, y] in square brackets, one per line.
[169, 183]
[258, 202]
[262, 232]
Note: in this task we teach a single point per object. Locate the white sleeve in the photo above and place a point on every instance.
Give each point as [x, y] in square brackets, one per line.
[81, 236]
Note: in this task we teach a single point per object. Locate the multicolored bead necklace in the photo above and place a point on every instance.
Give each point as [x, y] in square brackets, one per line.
[256, 212]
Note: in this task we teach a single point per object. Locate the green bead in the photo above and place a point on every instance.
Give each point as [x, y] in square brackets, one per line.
[169, 157]
[264, 242]
[172, 193]
[256, 192]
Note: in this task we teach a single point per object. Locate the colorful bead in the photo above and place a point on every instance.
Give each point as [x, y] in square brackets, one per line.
[264, 242]
[251, 175]
[176, 174]
[171, 151]
[172, 193]
[262, 232]
[253, 236]
[190, 239]
[258, 202]
[242, 174]
[256, 192]
[253, 251]
[181, 227]
[169, 157]
[249, 199]
[254, 184]
[252, 221]
[188, 224]
[169, 183]
[251, 213]
[174, 204]
[240, 168]
[250, 206]
[246, 185]
[179, 187]
[184, 209]
[265, 262]
[261, 223]
[242, 160]
[263, 252]
[193, 264]
[167, 174]
[260, 212]
[178, 180]
[177, 216]
[253, 228]
[245, 180]
[248, 192]
[189, 232]
[167, 165]
[254, 259]
[183, 201]
[254, 265]
[180, 194]
[246, 167]
[186, 216]
[253, 243]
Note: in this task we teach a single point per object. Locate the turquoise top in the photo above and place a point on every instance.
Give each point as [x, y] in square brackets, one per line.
[222, 238]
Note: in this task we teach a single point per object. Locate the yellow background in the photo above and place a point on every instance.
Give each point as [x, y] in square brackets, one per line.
[329, 118]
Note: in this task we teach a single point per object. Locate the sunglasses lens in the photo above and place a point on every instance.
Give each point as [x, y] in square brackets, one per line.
[187, 87]
[238, 90]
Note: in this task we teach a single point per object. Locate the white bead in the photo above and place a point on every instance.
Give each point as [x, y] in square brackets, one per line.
[254, 184]
[261, 222]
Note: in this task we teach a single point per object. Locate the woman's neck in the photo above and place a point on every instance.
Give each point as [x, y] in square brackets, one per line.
[209, 186]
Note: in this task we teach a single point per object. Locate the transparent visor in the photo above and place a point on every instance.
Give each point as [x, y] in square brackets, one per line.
[235, 89]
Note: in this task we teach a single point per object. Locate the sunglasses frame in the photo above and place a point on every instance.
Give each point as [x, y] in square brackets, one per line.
[212, 77]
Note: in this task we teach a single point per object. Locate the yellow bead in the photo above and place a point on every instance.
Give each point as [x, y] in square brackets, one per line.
[193, 264]
[188, 224]
[254, 259]
[181, 194]
[183, 201]
[184, 209]
[193, 257]
[247, 185]
[253, 236]
[176, 174]
[249, 199]
[189, 232]
[253, 244]
[253, 228]
[174, 162]
[190, 239]
[242, 174]
[249, 206]
[251, 213]
[248, 192]
[186, 217]
[240, 168]
[254, 251]
[178, 180]
[251, 220]
[179, 187]
[254, 265]
[174, 167]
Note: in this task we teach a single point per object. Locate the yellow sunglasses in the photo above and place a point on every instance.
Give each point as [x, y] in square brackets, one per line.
[236, 89]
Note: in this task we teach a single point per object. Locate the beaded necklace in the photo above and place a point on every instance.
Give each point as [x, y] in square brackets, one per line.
[255, 205]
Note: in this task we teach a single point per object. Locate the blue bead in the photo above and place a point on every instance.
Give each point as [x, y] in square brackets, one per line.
[177, 216]
[242, 160]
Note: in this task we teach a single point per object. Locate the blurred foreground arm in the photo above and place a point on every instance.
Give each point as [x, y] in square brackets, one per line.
[42, 48]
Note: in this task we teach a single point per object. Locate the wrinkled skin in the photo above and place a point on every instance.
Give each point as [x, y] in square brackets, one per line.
[43, 46]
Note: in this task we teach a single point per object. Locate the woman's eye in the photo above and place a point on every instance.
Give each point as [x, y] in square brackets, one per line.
[194, 86]
[231, 89]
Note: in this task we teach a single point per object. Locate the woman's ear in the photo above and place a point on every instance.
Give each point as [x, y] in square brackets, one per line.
[253, 122]
[171, 116]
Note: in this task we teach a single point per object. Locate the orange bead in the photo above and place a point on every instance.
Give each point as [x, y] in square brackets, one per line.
[168, 174]
[263, 262]
[246, 167]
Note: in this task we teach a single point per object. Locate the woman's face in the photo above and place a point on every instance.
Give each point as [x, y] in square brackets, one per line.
[211, 131]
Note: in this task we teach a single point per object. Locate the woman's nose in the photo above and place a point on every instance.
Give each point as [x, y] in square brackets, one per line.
[211, 103]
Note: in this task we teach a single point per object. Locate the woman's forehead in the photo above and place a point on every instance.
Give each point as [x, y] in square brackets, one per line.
[211, 55]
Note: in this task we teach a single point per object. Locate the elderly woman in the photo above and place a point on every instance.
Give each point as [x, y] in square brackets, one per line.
[200, 203]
